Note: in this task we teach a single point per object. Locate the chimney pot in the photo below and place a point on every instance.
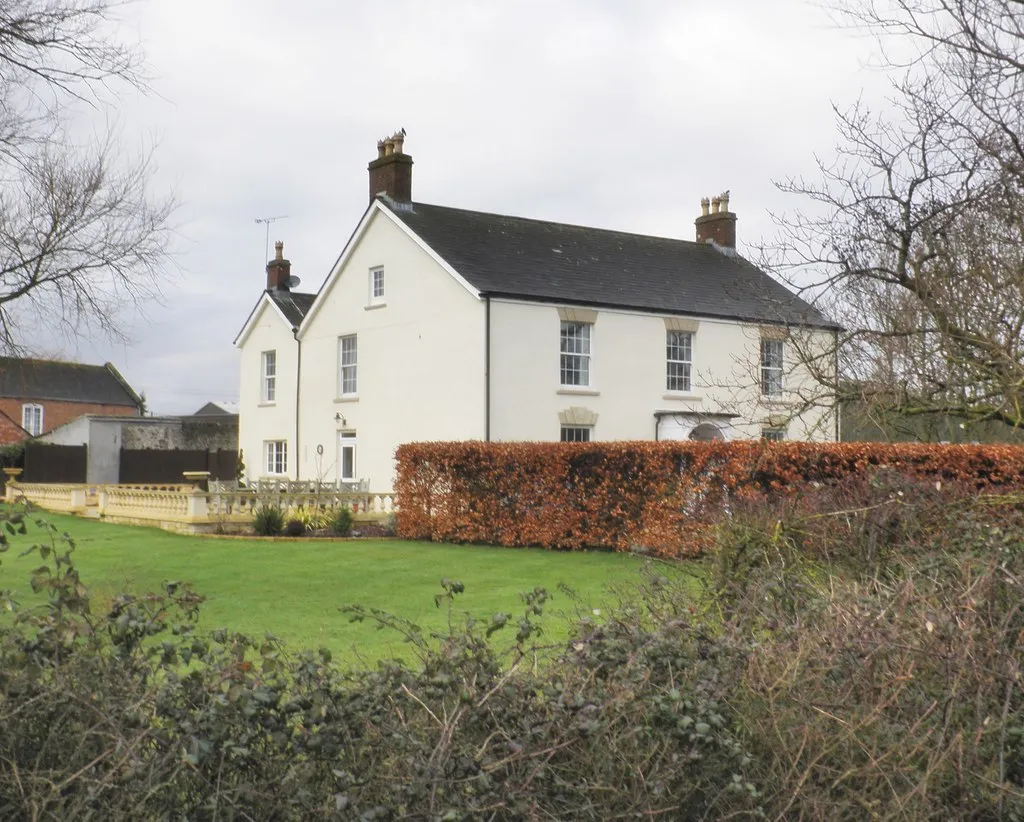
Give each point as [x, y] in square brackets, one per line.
[719, 226]
[278, 250]
[391, 170]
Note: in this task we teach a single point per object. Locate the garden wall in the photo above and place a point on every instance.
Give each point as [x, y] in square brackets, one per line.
[659, 497]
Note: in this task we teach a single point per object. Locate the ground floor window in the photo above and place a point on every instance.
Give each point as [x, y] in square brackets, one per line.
[276, 452]
[576, 433]
[347, 456]
[773, 434]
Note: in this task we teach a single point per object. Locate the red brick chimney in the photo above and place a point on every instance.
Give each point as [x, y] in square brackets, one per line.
[717, 225]
[391, 172]
[278, 270]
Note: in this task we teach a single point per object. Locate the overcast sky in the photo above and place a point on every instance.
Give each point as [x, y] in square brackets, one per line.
[599, 112]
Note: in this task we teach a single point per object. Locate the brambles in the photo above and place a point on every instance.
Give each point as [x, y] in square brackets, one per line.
[856, 646]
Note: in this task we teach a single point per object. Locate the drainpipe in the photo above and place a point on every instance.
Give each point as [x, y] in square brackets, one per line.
[487, 369]
[835, 361]
[298, 380]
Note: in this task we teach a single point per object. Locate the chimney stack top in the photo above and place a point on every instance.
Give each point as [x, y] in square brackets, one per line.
[391, 170]
[278, 270]
[716, 224]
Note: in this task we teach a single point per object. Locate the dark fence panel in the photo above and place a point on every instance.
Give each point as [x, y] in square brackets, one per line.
[144, 465]
[54, 463]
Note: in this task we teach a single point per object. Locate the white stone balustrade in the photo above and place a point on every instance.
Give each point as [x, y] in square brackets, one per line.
[180, 506]
[66, 497]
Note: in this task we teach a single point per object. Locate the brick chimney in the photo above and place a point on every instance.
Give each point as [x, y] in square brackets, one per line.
[278, 270]
[391, 172]
[716, 224]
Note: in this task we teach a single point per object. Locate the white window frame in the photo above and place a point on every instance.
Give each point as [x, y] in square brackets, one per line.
[773, 358]
[347, 441]
[376, 285]
[275, 457]
[32, 418]
[773, 433]
[679, 361]
[576, 433]
[268, 376]
[575, 348]
[348, 366]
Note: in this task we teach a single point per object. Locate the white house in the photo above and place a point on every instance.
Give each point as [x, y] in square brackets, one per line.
[438, 323]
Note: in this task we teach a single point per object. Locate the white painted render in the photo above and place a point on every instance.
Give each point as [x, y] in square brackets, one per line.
[628, 378]
[259, 422]
[420, 373]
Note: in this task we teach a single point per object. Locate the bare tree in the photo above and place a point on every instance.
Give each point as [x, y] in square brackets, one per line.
[81, 239]
[915, 241]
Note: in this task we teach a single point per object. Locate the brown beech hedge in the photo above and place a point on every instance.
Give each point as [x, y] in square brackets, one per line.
[659, 497]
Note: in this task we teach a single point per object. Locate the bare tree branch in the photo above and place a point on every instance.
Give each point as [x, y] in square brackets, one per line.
[915, 238]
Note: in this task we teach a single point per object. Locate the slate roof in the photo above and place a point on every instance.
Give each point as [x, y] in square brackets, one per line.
[294, 304]
[218, 409]
[66, 381]
[555, 262]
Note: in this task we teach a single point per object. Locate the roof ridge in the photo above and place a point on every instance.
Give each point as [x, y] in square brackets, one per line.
[48, 361]
[565, 225]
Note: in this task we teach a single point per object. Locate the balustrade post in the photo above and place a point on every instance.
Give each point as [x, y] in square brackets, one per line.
[197, 503]
[78, 499]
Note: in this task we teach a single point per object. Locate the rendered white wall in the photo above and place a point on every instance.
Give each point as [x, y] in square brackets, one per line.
[627, 376]
[420, 359]
[258, 421]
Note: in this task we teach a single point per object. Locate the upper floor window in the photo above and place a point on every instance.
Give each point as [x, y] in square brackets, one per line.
[376, 285]
[575, 351]
[268, 391]
[679, 360]
[276, 454]
[32, 419]
[773, 434]
[347, 360]
[771, 367]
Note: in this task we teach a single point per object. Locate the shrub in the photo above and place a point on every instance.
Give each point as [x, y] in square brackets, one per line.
[267, 520]
[882, 620]
[663, 498]
[342, 522]
[827, 683]
[313, 517]
[294, 528]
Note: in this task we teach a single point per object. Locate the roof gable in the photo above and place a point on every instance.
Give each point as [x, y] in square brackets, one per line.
[378, 207]
[64, 381]
[290, 306]
[555, 262]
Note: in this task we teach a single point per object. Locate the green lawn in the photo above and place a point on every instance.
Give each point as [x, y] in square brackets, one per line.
[294, 588]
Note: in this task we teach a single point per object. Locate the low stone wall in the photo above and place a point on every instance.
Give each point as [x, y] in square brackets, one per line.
[188, 509]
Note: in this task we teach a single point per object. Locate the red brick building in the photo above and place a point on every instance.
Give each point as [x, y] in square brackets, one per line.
[39, 395]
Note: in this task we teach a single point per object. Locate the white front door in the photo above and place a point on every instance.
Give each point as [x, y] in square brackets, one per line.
[347, 456]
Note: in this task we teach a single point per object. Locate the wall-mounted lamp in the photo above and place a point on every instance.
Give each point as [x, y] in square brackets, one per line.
[339, 418]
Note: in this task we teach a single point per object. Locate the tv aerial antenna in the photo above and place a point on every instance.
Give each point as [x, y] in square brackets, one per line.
[267, 221]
